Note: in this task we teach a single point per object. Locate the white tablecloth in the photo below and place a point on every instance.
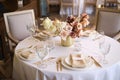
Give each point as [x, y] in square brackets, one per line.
[78, 9]
[26, 70]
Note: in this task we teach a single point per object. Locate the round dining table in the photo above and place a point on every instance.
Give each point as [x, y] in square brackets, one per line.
[24, 69]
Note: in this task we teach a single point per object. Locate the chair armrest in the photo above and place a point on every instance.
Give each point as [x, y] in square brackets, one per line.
[12, 39]
[117, 36]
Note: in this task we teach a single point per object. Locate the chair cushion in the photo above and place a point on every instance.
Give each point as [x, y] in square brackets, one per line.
[109, 22]
[18, 25]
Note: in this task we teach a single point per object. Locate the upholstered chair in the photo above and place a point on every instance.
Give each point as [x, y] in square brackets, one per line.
[16, 26]
[108, 21]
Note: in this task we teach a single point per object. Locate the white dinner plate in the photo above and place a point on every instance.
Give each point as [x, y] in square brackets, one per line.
[66, 63]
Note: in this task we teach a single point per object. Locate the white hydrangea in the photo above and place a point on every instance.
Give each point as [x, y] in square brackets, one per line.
[47, 23]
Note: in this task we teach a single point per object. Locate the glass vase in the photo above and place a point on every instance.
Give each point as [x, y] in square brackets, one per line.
[68, 42]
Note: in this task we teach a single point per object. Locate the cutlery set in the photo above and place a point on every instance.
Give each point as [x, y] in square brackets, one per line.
[59, 64]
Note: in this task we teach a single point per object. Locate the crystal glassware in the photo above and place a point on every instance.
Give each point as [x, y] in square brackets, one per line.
[77, 45]
[31, 28]
[104, 49]
[50, 45]
[42, 52]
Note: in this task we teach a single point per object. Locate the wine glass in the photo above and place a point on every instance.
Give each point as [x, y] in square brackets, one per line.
[101, 32]
[104, 49]
[77, 45]
[41, 50]
[31, 28]
[37, 26]
[50, 44]
[42, 53]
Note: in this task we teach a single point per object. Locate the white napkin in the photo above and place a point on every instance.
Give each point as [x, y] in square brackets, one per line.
[77, 61]
[28, 55]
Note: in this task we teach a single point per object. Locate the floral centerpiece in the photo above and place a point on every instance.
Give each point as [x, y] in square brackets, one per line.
[67, 30]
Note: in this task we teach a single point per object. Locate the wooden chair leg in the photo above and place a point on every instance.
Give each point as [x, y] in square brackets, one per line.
[2, 70]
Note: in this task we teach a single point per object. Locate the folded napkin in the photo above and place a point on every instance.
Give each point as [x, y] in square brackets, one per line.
[95, 35]
[28, 55]
[77, 61]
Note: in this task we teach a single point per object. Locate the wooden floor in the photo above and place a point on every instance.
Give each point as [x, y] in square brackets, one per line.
[8, 67]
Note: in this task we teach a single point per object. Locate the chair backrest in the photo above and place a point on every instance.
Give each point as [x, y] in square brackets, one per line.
[53, 2]
[17, 22]
[109, 22]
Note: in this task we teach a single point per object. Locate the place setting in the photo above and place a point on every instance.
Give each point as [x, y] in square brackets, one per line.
[38, 33]
[42, 52]
[76, 62]
[27, 54]
[79, 61]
